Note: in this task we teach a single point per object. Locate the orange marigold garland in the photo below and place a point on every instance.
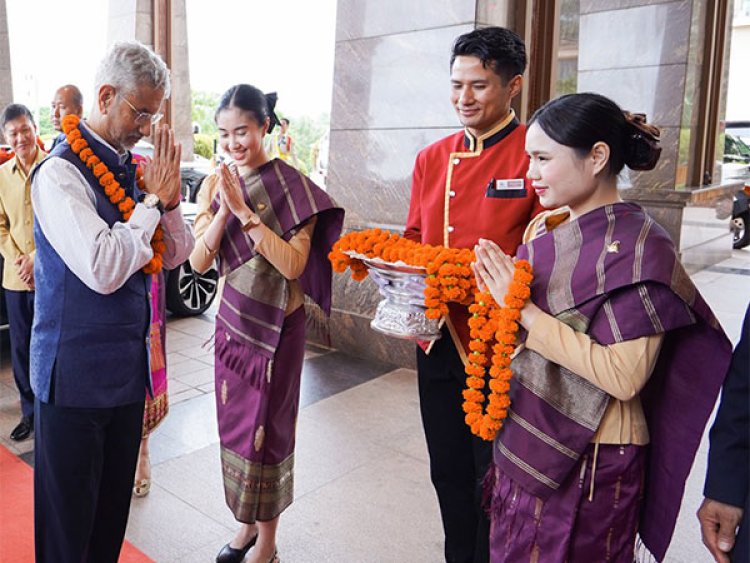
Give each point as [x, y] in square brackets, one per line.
[112, 187]
[449, 277]
[494, 328]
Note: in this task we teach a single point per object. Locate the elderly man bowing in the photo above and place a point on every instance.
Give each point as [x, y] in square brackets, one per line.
[99, 238]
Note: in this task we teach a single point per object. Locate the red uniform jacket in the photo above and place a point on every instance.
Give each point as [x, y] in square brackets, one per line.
[467, 188]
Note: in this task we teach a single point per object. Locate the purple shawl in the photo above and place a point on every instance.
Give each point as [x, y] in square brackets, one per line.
[614, 274]
[255, 294]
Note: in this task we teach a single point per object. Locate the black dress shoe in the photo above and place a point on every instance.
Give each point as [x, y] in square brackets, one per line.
[230, 554]
[23, 430]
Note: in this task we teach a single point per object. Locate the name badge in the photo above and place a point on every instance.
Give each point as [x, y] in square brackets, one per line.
[516, 184]
[506, 189]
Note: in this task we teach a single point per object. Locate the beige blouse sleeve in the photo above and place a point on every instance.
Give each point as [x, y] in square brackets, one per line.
[289, 258]
[620, 369]
[202, 257]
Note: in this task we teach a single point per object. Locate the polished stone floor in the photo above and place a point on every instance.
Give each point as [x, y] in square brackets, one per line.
[362, 482]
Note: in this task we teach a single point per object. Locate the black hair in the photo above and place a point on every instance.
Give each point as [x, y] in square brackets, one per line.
[497, 47]
[284, 119]
[581, 120]
[14, 111]
[252, 100]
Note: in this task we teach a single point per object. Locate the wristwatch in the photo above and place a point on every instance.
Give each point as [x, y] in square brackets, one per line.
[152, 201]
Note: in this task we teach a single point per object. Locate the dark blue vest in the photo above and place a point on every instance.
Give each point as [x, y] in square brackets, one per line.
[88, 349]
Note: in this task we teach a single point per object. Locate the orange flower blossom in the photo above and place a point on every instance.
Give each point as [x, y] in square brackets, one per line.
[449, 277]
[496, 328]
[112, 188]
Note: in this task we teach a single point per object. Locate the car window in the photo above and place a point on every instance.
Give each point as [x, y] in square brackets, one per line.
[735, 148]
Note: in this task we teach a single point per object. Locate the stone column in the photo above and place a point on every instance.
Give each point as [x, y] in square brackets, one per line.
[182, 113]
[131, 20]
[6, 85]
[647, 56]
[134, 20]
[390, 99]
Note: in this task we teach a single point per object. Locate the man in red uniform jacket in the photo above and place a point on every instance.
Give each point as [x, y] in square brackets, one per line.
[468, 186]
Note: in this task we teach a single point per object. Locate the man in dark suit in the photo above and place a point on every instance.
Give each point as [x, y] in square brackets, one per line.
[728, 477]
[90, 343]
[68, 99]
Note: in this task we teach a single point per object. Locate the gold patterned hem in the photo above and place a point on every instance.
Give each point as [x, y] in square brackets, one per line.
[154, 413]
[255, 491]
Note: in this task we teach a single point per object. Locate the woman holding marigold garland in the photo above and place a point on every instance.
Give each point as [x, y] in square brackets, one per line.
[611, 392]
[271, 229]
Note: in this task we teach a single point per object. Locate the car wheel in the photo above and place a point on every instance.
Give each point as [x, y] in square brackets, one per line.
[195, 188]
[190, 293]
[739, 230]
[190, 183]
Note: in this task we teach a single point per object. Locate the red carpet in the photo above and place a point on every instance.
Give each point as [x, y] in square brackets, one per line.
[17, 513]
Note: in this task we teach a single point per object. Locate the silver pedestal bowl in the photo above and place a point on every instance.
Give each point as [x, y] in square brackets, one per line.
[401, 313]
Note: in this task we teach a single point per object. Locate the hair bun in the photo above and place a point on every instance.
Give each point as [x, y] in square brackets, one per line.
[642, 149]
[271, 99]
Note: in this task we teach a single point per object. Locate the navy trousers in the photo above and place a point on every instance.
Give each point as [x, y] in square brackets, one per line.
[458, 459]
[20, 308]
[84, 466]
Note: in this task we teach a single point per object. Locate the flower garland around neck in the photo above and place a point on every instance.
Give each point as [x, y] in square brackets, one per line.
[112, 187]
[497, 327]
[449, 277]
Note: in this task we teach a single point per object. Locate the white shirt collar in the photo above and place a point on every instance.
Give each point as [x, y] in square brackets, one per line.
[124, 158]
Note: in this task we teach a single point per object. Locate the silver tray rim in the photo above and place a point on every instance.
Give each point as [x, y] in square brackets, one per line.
[380, 264]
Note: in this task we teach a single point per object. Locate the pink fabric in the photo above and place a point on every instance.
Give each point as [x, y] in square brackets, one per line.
[157, 405]
[158, 374]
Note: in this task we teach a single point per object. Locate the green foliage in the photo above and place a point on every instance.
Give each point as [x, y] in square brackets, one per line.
[204, 105]
[203, 144]
[305, 132]
[44, 122]
[567, 86]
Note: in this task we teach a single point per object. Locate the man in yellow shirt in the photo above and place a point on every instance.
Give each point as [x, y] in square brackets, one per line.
[17, 249]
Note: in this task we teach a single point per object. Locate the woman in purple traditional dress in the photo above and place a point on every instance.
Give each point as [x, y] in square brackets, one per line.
[271, 229]
[622, 361]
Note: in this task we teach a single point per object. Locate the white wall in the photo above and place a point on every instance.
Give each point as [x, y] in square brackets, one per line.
[738, 96]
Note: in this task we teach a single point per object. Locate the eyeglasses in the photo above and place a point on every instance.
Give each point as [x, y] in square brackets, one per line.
[142, 116]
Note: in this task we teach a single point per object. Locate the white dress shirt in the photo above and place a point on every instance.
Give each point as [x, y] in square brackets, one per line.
[103, 258]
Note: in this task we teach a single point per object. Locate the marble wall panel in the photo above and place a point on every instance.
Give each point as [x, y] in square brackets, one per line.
[129, 20]
[665, 206]
[182, 119]
[356, 19]
[697, 31]
[394, 81]
[591, 6]
[495, 12]
[656, 91]
[360, 298]
[663, 176]
[6, 85]
[643, 36]
[352, 335]
[370, 171]
[705, 239]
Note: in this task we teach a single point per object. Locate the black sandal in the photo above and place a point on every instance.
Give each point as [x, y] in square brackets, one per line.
[229, 554]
